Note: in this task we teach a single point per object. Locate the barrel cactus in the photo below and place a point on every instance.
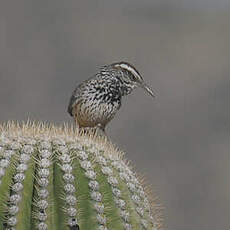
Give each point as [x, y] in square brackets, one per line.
[58, 178]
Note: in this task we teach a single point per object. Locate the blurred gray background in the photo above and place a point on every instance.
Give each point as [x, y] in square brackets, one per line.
[180, 141]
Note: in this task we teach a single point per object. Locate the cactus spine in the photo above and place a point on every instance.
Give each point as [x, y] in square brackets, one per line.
[59, 179]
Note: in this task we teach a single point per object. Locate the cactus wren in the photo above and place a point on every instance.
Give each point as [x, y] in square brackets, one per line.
[95, 101]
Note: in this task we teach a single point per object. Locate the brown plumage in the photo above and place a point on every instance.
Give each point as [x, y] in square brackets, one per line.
[95, 101]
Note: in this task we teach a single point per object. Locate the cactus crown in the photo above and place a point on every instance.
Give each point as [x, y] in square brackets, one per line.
[58, 178]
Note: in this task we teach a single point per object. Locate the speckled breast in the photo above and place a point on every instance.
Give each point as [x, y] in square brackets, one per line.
[92, 113]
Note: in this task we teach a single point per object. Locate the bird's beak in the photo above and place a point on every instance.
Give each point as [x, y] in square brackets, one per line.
[148, 89]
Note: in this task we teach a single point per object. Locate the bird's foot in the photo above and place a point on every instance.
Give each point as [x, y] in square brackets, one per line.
[97, 131]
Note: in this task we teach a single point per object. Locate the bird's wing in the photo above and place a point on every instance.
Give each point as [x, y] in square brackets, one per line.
[73, 100]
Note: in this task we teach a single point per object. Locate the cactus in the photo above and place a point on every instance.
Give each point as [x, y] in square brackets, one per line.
[57, 178]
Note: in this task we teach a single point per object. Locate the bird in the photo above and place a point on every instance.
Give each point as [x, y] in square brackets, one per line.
[95, 101]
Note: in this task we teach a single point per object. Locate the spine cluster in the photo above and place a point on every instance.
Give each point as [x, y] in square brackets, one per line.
[93, 184]
[113, 181]
[41, 201]
[69, 188]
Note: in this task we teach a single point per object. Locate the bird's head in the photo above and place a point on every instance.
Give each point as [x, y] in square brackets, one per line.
[131, 78]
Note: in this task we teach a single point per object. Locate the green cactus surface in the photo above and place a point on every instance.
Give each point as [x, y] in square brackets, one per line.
[57, 178]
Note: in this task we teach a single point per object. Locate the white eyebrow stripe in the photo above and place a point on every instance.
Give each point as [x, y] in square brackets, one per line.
[129, 68]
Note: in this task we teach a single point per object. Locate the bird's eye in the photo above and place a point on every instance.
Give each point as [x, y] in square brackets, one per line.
[133, 78]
